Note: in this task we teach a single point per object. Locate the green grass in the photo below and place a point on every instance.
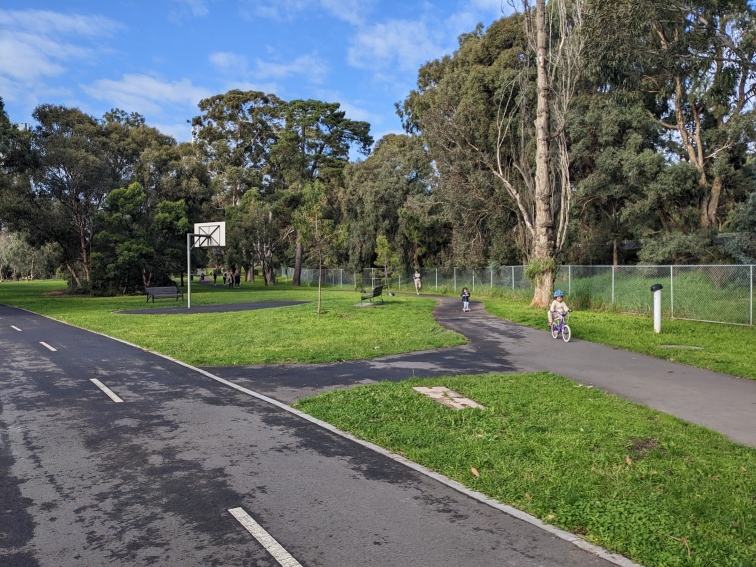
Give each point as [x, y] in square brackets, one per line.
[726, 348]
[281, 335]
[633, 480]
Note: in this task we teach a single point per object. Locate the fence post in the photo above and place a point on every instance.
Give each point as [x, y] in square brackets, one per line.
[672, 292]
[512, 278]
[400, 283]
[341, 277]
[569, 279]
[612, 283]
[491, 278]
[436, 279]
[473, 281]
[455, 279]
[751, 295]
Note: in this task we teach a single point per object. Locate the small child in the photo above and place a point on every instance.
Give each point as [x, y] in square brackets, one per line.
[558, 306]
[465, 300]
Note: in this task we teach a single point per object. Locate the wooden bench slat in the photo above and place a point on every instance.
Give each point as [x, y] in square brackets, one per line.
[165, 291]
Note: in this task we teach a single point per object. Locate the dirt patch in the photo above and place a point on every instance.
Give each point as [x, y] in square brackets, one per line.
[642, 447]
[54, 293]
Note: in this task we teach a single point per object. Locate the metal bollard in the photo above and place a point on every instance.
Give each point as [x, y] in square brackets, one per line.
[656, 288]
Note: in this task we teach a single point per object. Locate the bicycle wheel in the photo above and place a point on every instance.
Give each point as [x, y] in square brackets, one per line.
[555, 330]
[566, 333]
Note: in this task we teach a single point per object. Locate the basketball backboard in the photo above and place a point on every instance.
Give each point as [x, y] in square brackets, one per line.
[214, 234]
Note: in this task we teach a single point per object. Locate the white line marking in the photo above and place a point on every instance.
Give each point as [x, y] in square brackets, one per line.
[105, 389]
[453, 484]
[14, 327]
[48, 347]
[265, 539]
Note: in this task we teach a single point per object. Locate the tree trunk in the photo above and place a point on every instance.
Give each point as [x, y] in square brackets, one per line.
[710, 202]
[615, 253]
[543, 245]
[73, 275]
[249, 273]
[297, 264]
[320, 280]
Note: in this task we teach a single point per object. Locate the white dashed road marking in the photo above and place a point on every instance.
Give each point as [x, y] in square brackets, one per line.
[14, 327]
[48, 347]
[265, 539]
[105, 389]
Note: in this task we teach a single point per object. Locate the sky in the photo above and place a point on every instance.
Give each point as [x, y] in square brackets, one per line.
[161, 57]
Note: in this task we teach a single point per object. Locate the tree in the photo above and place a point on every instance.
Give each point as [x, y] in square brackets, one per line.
[254, 233]
[391, 193]
[694, 62]
[386, 257]
[476, 110]
[314, 144]
[236, 132]
[135, 246]
[315, 230]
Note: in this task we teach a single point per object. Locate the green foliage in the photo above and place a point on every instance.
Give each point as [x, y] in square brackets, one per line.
[743, 244]
[136, 246]
[539, 267]
[633, 480]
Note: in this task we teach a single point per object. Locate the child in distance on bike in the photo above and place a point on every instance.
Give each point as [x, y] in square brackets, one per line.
[558, 306]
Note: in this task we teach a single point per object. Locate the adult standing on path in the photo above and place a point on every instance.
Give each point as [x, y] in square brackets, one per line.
[418, 281]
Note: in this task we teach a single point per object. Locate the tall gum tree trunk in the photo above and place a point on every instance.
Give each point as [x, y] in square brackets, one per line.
[297, 265]
[543, 245]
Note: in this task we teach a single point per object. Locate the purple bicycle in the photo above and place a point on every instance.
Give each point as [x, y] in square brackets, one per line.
[559, 325]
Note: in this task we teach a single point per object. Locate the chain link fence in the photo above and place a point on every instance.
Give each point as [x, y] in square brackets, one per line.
[715, 294]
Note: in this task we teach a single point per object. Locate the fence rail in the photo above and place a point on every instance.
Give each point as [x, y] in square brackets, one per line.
[708, 293]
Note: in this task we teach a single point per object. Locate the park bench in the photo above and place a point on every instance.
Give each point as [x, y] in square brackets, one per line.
[168, 291]
[377, 292]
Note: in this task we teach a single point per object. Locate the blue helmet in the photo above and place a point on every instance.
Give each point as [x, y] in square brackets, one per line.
[559, 293]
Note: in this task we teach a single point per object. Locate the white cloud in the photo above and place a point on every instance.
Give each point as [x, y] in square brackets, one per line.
[145, 94]
[228, 62]
[402, 44]
[47, 23]
[309, 65]
[351, 11]
[36, 45]
[235, 64]
[195, 7]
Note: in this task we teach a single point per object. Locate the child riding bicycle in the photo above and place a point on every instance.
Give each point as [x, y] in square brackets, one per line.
[558, 307]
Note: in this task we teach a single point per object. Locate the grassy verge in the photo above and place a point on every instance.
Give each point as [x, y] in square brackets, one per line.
[633, 480]
[724, 346]
[286, 334]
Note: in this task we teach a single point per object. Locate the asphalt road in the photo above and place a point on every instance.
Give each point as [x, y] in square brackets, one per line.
[718, 401]
[87, 481]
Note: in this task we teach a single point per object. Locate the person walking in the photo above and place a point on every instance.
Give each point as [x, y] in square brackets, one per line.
[237, 278]
[215, 276]
[418, 281]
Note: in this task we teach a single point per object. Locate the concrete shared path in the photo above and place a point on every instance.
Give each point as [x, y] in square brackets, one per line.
[718, 401]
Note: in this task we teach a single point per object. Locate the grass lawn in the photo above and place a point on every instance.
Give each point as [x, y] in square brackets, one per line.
[633, 480]
[726, 348]
[281, 335]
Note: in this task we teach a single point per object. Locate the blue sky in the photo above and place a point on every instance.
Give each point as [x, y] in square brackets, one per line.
[160, 57]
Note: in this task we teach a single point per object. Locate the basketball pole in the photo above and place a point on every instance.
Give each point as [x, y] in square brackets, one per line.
[189, 270]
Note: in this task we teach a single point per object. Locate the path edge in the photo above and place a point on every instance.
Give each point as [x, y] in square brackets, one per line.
[577, 541]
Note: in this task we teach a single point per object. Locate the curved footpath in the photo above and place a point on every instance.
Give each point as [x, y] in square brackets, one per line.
[718, 401]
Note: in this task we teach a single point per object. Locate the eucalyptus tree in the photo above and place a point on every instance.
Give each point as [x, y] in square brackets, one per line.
[314, 144]
[494, 114]
[694, 62]
[392, 193]
[235, 133]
